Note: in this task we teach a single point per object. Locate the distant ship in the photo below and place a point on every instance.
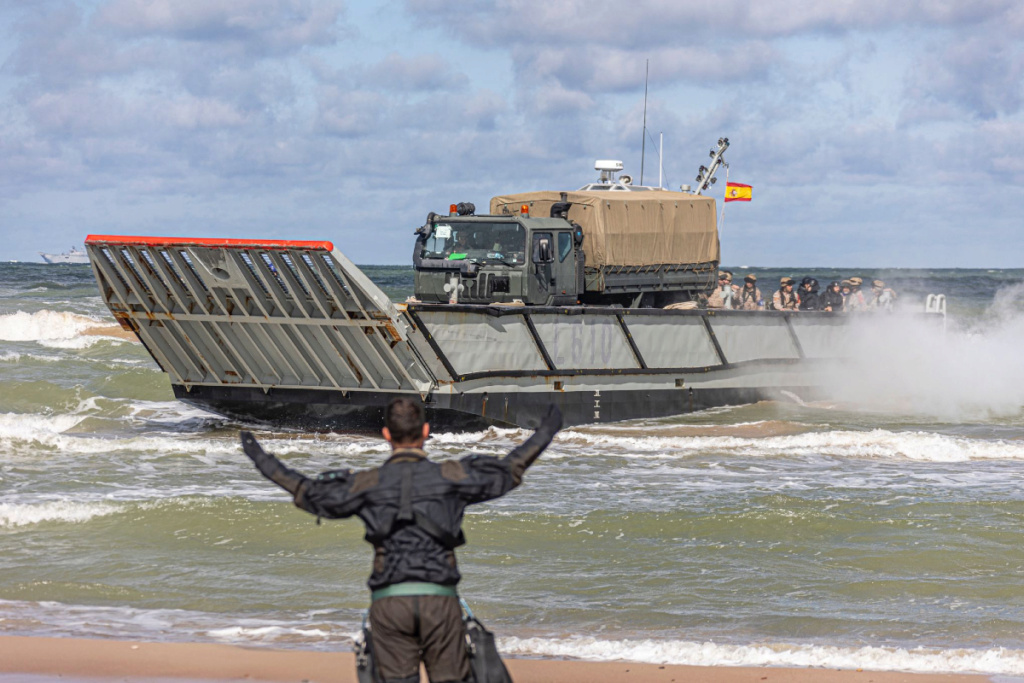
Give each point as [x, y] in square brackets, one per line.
[73, 256]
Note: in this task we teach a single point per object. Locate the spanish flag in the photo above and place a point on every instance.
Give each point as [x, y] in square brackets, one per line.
[737, 192]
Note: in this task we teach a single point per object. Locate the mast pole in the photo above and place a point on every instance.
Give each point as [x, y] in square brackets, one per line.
[643, 145]
[661, 159]
[721, 221]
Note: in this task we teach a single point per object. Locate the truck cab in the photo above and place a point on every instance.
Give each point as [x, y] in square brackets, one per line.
[506, 259]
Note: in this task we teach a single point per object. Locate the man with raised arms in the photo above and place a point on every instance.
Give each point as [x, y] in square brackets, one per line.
[412, 508]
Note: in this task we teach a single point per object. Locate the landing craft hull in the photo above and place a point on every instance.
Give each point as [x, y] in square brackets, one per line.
[293, 334]
[332, 411]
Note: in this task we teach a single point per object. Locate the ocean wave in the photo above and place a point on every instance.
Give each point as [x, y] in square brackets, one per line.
[76, 343]
[28, 427]
[921, 660]
[877, 443]
[331, 629]
[489, 434]
[59, 329]
[17, 515]
[28, 434]
[16, 357]
[169, 412]
[44, 325]
[272, 634]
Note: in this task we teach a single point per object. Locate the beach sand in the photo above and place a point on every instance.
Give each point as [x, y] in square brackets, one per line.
[42, 659]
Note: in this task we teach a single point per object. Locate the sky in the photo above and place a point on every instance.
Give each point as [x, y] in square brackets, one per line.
[874, 133]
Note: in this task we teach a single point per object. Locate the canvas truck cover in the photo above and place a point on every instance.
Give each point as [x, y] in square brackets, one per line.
[641, 228]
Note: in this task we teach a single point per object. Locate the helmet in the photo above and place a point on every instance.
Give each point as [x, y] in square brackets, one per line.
[856, 282]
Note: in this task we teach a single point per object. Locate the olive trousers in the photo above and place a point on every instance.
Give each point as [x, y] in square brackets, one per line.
[410, 629]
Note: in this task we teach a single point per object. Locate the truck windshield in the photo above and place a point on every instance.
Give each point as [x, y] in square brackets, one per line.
[476, 241]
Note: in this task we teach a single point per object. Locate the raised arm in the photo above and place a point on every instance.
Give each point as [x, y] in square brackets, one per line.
[525, 453]
[328, 495]
[488, 477]
[271, 468]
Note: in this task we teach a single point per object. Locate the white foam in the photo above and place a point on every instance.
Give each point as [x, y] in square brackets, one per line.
[264, 633]
[959, 660]
[168, 412]
[877, 443]
[44, 325]
[16, 515]
[31, 427]
[15, 357]
[83, 342]
[489, 434]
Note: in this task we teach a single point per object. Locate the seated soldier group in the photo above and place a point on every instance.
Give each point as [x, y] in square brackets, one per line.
[838, 296]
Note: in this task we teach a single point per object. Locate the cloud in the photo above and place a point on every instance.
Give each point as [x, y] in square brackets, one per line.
[646, 24]
[245, 115]
[979, 75]
[261, 26]
[418, 73]
[595, 69]
[350, 114]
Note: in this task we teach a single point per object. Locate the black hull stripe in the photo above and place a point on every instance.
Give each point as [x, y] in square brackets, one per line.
[328, 410]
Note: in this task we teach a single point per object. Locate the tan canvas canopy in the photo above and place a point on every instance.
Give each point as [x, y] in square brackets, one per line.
[641, 228]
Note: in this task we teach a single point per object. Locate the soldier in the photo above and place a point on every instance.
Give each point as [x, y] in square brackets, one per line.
[749, 296]
[832, 299]
[412, 508]
[809, 294]
[785, 299]
[855, 300]
[725, 292]
[882, 298]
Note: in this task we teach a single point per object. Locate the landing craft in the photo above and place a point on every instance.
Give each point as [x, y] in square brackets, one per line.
[587, 299]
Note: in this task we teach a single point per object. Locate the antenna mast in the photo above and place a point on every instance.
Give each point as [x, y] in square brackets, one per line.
[706, 176]
[643, 145]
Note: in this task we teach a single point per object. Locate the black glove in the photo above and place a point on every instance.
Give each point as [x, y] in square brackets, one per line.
[271, 468]
[524, 455]
[552, 421]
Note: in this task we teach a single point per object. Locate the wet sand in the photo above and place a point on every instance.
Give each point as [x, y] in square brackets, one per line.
[115, 331]
[35, 660]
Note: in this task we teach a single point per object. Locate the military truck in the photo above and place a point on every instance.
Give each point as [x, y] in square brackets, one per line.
[607, 244]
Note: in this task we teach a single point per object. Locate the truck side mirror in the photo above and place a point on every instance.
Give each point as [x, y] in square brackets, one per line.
[544, 251]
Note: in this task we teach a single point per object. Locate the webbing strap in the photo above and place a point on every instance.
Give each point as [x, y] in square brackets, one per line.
[413, 588]
[405, 497]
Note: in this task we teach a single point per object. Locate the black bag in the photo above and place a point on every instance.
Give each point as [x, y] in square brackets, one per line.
[366, 663]
[484, 659]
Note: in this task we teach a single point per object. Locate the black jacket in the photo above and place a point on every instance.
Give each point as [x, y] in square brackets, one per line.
[810, 300]
[412, 507]
[833, 299]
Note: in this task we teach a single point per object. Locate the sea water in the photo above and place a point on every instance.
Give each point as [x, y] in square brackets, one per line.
[883, 531]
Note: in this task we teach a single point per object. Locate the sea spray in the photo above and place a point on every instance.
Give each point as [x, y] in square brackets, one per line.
[972, 370]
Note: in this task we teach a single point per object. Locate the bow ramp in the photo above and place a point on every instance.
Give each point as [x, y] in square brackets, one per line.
[267, 315]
